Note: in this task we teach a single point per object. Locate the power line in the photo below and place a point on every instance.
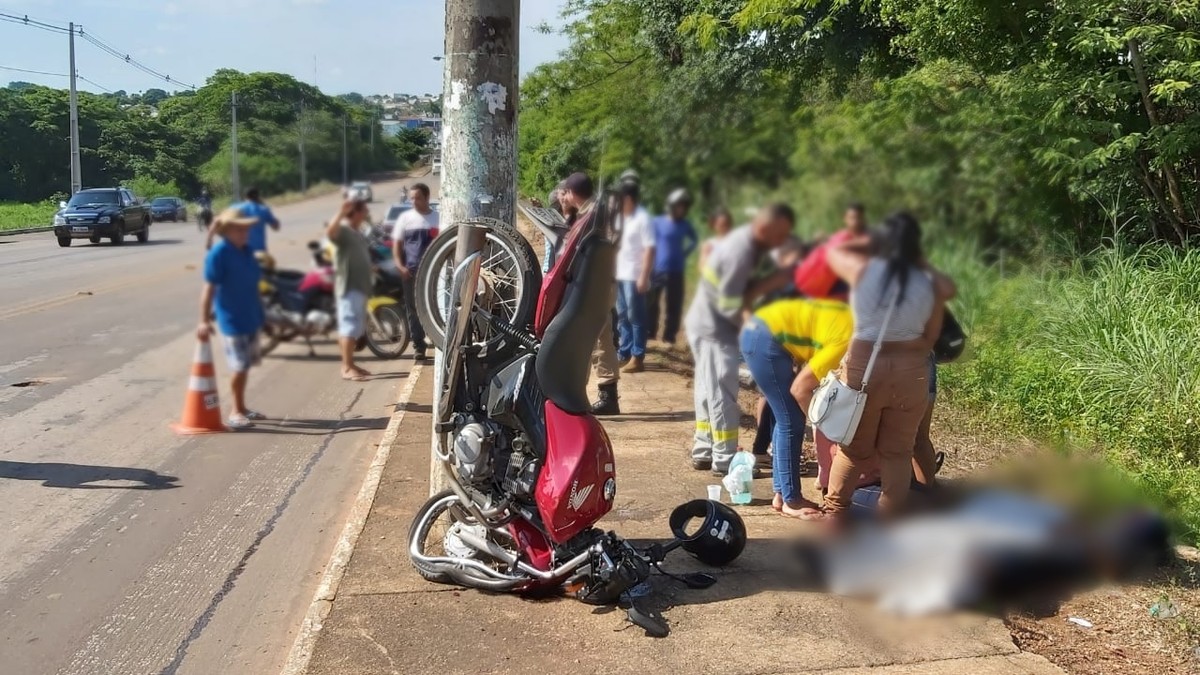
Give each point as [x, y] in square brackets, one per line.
[98, 86]
[130, 60]
[97, 42]
[34, 72]
[26, 21]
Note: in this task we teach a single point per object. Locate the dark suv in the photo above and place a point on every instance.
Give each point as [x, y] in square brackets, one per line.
[96, 213]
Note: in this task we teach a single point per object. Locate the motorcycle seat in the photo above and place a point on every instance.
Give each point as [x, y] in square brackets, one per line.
[564, 359]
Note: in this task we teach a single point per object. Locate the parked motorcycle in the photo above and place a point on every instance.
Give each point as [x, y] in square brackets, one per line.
[531, 470]
[297, 304]
[302, 305]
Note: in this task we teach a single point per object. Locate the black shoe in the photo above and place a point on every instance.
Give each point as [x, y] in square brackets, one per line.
[607, 403]
[420, 356]
[938, 460]
[702, 464]
[762, 463]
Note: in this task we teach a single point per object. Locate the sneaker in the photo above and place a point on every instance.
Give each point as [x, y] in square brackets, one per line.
[702, 464]
[237, 421]
[719, 473]
[255, 415]
[420, 356]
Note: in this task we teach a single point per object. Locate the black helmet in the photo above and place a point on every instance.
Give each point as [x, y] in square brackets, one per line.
[951, 342]
[720, 538]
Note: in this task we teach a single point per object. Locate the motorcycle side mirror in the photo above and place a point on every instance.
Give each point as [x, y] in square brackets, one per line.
[698, 580]
[653, 625]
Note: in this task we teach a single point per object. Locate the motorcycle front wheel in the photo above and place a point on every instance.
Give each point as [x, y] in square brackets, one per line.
[387, 332]
[438, 553]
[510, 281]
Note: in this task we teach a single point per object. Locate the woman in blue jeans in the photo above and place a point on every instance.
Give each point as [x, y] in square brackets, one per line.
[816, 334]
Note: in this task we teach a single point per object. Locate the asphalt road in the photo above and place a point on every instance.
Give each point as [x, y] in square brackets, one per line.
[132, 550]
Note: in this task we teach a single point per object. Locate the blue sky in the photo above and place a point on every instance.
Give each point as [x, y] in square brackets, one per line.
[368, 46]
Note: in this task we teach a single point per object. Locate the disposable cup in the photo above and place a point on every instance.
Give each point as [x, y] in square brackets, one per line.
[714, 492]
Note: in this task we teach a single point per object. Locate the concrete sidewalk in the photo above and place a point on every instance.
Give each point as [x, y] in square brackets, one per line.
[386, 619]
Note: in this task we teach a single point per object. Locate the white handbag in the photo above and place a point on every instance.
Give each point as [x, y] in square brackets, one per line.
[836, 407]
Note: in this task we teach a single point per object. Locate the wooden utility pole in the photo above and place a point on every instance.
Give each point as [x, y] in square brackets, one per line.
[479, 122]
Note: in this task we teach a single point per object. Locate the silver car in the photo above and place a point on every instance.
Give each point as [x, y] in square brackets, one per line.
[360, 191]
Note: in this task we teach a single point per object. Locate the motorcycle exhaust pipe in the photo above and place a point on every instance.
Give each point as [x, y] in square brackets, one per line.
[491, 548]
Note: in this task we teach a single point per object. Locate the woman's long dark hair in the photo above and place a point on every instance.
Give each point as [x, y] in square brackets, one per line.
[901, 249]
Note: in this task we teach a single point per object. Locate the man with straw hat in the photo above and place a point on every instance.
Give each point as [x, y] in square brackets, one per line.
[231, 276]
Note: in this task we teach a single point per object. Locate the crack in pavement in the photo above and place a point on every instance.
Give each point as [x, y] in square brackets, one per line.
[231, 579]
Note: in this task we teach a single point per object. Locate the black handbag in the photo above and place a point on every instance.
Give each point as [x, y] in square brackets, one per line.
[951, 343]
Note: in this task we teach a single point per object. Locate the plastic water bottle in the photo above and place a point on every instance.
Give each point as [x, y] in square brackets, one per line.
[740, 478]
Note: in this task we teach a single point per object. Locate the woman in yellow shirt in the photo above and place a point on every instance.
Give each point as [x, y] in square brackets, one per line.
[815, 333]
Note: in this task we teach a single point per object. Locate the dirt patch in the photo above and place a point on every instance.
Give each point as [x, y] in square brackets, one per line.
[1125, 637]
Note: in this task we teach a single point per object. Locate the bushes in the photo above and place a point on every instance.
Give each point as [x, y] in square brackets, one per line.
[18, 216]
[149, 188]
[1104, 354]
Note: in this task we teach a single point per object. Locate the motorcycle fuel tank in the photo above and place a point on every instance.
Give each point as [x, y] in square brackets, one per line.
[577, 483]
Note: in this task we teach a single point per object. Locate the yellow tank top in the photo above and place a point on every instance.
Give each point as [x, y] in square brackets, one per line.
[814, 332]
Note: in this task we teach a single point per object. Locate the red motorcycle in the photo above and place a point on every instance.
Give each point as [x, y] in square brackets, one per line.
[531, 470]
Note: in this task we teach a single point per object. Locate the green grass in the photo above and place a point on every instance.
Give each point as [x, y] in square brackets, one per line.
[19, 216]
[1101, 355]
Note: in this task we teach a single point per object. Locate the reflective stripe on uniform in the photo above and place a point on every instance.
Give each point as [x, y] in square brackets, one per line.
[724, 302]
[724, 434]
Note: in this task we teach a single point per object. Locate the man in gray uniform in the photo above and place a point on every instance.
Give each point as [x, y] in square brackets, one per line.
[729, 283]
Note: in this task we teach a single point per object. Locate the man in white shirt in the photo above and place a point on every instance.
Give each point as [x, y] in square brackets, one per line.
[635, 262]
[414, 231]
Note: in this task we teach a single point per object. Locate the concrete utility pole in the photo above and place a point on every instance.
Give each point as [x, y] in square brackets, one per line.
[76, 170]
[236, 176]
[345, 154]
[479, 122]
[302, 127]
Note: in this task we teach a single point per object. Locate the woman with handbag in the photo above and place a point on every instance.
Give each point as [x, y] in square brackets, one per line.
[813, 334]
[874, 408]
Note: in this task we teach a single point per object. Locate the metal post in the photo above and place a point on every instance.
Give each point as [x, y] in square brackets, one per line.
[345, 154]
[303, 129]
[236, 177]
[479, 122]
[76, 170]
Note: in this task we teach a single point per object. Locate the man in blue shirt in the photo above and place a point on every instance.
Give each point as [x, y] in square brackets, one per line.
[674, 241]
[231, 276]
[254, 207]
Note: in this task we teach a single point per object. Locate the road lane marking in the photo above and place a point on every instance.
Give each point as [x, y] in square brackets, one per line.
[322, 603]
[40, 305]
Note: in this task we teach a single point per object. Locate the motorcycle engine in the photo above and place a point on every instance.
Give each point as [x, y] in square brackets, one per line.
[317, 321]
[473, 452]
[520, 476]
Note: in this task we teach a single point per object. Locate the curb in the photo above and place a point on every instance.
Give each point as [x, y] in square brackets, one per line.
[322, 602]
[27, 230]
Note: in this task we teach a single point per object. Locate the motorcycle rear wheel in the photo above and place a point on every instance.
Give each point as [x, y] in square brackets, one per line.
[387, 332]
[509, 285]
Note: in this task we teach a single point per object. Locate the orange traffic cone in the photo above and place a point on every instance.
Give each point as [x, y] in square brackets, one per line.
[202, 407]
